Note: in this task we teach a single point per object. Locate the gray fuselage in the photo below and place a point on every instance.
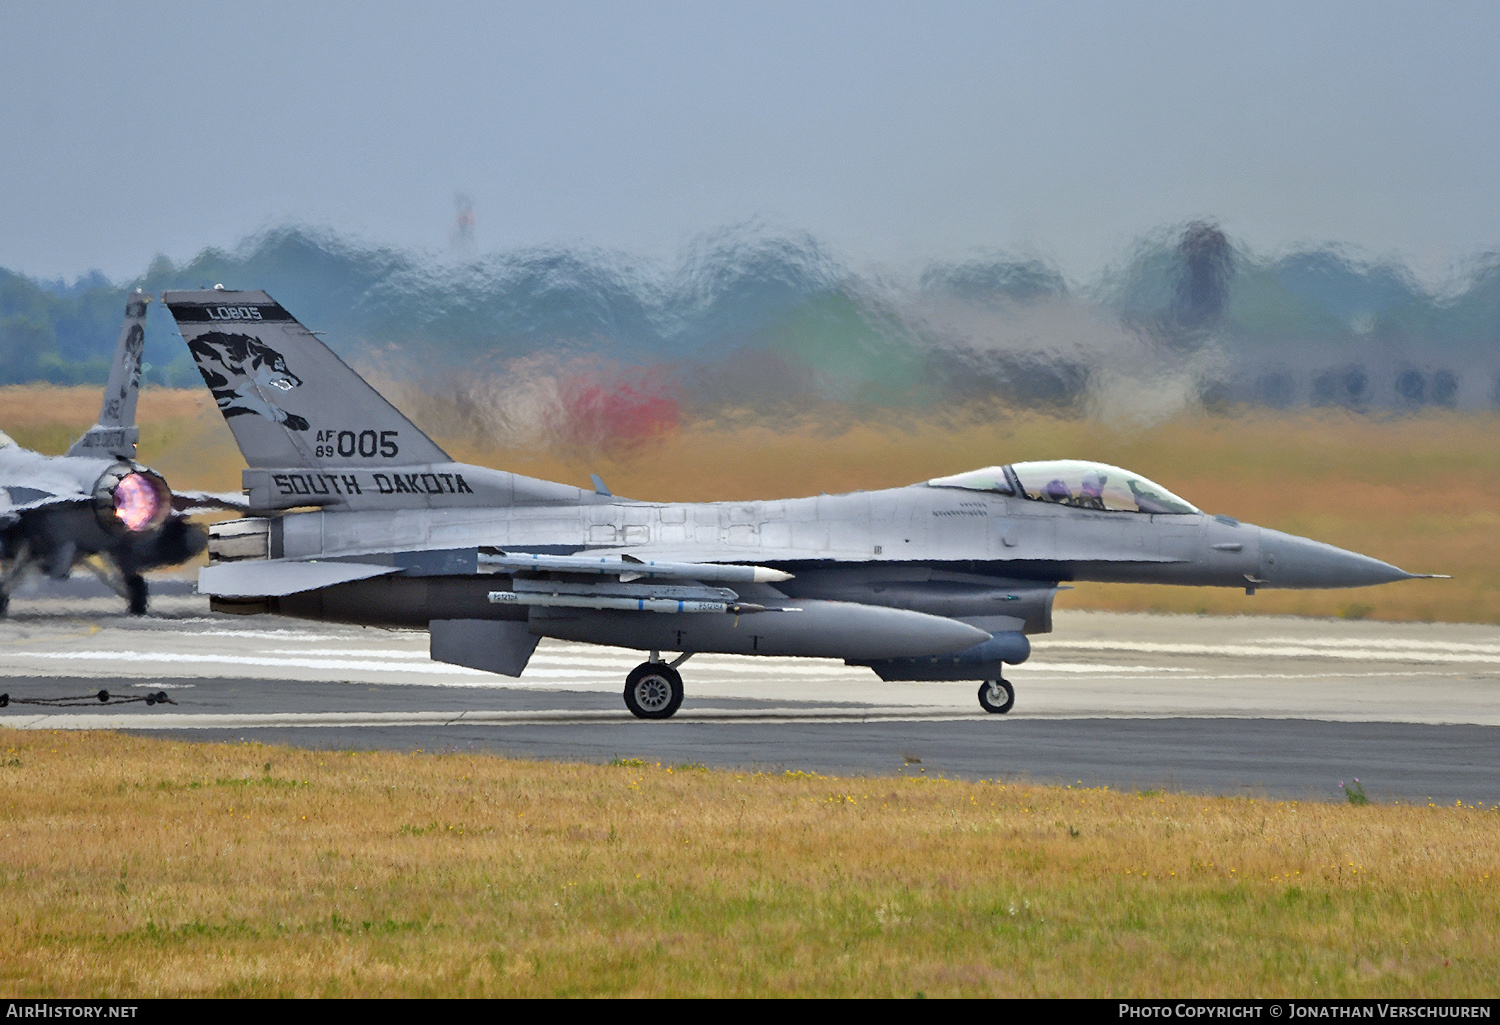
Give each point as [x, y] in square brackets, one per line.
[940, 550]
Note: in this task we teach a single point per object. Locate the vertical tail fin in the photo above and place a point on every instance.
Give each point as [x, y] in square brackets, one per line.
[116, 433]
[289, 400]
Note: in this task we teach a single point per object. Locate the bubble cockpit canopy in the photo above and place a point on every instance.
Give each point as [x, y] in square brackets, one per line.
[1071, 482]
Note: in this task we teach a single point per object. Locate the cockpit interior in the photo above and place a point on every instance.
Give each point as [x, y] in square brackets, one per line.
[1071, 482]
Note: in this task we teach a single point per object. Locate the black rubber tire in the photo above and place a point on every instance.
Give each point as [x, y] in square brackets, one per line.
[988, 705]
[4, 604]
[138, 594]
[653, 690]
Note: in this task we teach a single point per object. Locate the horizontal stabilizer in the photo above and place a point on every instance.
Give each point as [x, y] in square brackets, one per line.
[209, 501]
[264, 578]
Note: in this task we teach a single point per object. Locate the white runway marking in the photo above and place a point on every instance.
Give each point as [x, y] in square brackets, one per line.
[550, 717]
[268, 635]
[123, 662]
[556, 662]
[1393, 651]
[1375, 643]
[1235, 704]
[1096, 665]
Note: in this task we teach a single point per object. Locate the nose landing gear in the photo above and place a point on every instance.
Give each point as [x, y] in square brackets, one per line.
[996, 696]
[653, 690]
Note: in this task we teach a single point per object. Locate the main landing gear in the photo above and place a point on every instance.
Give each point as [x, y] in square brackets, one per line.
[996, 696]
[653, 690]
[137, 593]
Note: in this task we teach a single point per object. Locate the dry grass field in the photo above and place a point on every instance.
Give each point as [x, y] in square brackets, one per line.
[47, 417]
[138, 867]
[1420, 491]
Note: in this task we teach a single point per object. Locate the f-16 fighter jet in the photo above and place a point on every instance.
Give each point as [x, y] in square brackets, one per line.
[368, 521]
[95, 507]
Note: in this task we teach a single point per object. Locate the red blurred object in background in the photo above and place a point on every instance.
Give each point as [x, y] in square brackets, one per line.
[629, 409]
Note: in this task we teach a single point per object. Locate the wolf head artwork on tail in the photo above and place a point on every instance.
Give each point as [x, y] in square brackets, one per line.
[289, 400]
[239, 369]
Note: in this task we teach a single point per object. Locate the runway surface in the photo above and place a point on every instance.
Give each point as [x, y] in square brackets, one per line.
[1279, 706]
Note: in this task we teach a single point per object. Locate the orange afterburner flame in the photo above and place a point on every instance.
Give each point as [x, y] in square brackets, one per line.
[137, 503]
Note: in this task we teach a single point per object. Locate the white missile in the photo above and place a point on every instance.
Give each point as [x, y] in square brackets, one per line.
[598, 601]
[628, 569]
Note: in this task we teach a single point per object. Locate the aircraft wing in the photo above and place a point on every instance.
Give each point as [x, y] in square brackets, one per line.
[17, 500]
[261, 578]
[54, 500]
[42, 503]
[11, 514]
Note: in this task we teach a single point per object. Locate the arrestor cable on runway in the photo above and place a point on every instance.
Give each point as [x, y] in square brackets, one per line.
[103, 697]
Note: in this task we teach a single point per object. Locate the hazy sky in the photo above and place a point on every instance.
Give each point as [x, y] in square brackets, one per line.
[893, 132]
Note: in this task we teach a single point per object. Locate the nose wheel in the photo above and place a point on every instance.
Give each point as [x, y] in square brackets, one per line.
[996, 696]
[653, 690]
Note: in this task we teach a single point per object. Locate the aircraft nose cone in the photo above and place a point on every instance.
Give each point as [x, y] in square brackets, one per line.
[1291, 561]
